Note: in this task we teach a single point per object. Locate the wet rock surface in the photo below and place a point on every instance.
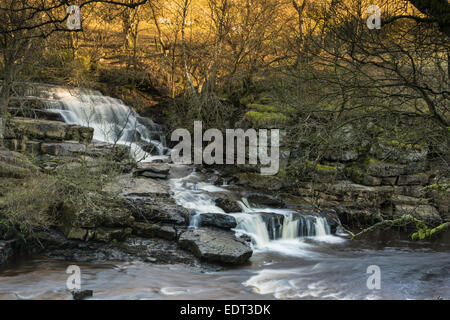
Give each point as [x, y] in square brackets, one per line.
[55, 245]
[82, 294]
[215, 246]
[152, 170]
[228, 205]
[264, 200]
[217, 220]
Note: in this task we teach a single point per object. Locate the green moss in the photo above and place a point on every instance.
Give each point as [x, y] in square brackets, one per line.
[368, 161]
[264, 98]
[398, 144]
[437, 187]
[246, 100]
[262, 107]
[355, 174]
[423, 232]
[324, 168]
[266, 118]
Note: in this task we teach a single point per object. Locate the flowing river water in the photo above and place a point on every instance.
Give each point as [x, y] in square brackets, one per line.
[296, 259]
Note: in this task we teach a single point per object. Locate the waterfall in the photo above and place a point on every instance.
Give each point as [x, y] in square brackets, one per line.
[322, 227]
[254, 226]
[267, 224]
[113, 122]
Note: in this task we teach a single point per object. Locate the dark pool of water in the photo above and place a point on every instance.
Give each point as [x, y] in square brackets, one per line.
[329, 268]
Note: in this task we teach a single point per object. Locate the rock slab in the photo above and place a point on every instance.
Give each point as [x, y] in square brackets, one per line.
[215, 246]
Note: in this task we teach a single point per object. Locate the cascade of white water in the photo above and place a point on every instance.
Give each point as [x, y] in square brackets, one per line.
[294, 224]
[254, 226]
[322, 227]
[290, 228]
[111, 119]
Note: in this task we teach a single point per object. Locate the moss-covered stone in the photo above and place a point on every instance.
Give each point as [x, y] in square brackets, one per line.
[395, 150]
[359, 176]
[265, 119]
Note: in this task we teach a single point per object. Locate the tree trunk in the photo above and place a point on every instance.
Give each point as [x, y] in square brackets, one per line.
[183, 42]
[4, 100]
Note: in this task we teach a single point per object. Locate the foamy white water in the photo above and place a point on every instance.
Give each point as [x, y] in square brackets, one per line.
[113, 122]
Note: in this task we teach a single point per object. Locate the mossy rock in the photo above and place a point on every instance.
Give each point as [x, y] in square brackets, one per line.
[263, 107]
[358, 175]
[308, 171]
[265, 119]
[395, 150]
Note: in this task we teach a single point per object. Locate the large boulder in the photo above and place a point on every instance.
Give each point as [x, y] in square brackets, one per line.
[102, 234]
[117, 152]
[111, 234]
[215, 246]
[341, 155]
[264, 200]
[358, 175]
[414, 179]
[228, 205]
[218, 220]
[157, 209]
